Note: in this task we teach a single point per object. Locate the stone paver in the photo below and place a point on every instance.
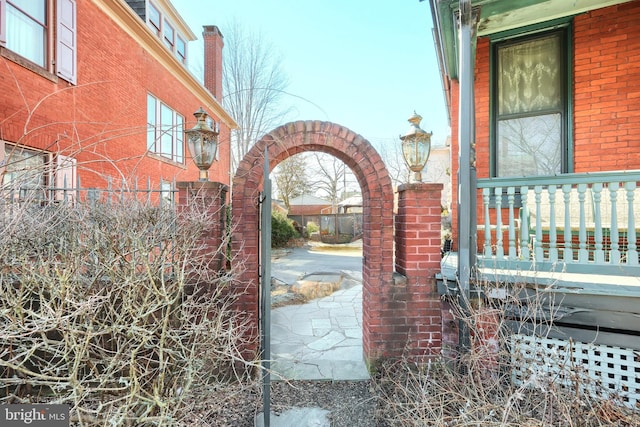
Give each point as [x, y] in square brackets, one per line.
[319, 340]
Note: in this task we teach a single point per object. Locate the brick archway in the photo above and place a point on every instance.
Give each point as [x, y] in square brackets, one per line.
[377, 195]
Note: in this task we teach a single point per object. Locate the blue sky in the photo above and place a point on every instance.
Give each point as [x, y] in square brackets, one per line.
[366, 65]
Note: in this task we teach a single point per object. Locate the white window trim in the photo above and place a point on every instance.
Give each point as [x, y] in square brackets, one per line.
[59, 173]
[172, 45]
[181, 58]
[177, 132]
[60, 52]
[156, 29]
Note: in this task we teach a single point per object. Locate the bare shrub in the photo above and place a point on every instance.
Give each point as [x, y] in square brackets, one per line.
[477, 387]
[112, 308]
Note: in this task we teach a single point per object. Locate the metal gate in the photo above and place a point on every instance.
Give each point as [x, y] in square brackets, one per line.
[265, 294]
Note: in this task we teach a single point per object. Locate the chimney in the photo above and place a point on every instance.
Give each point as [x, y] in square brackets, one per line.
[213, 43]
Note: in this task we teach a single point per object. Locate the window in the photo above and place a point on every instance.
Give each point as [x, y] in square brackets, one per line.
[153, 15]
[38, 175]
[25, 31]
[165, 130]
[24, 168]
[166, 193]
[166, 31]
[169, 35]
[213, 125]
[530, 105]
[181, 49]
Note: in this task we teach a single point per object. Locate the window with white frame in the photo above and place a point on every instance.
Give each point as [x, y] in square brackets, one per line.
[153, 18]
[213, 125]
[166, 193]
[166, 31]
[181, 49]
[37, 174]
[165, 130]
[23, 167]
[530, 105]
[37, 32]
[26, 29]
[169, 35]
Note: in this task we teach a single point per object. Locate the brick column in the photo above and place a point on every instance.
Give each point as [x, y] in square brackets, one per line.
[413, 304]
[209, 197]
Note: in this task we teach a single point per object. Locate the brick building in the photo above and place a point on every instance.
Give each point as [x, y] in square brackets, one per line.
[592, 116]
[544, 96]
[99, 89]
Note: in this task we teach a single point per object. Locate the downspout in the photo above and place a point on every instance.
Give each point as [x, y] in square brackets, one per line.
[466, 166]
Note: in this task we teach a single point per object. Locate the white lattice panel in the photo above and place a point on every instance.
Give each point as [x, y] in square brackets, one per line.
[602, 370]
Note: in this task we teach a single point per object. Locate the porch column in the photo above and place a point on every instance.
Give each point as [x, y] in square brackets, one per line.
[467, 26]
[413, 303]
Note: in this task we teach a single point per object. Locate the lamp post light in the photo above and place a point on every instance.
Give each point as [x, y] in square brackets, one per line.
[416, 146]
[203, 144]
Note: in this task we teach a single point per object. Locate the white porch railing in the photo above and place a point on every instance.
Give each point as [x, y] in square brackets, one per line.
[586, 222]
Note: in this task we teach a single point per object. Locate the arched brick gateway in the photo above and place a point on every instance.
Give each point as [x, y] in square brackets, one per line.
[377, 195]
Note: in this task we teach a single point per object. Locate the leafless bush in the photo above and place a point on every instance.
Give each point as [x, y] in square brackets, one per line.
[112, 309]
[477, 387]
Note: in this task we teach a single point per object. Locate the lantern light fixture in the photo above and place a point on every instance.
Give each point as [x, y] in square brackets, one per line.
[203, 143]
[416, 146]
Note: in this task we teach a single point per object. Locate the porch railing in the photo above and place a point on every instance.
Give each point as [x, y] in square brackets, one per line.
[582, 221]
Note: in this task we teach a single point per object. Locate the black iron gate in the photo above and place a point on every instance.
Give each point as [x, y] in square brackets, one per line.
[265, 287]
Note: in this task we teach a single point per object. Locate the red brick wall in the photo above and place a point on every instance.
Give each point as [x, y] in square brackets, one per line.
[308, 209]
[102, 120]
[213, 44]
[413, 312]
[366, 164]
[606, 96]
[607, 89]
[209, 197]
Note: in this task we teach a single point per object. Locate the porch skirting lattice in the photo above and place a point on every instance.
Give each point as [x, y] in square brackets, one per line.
[602, 371]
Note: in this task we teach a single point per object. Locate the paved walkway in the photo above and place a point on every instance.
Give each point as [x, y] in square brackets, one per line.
[319, 340]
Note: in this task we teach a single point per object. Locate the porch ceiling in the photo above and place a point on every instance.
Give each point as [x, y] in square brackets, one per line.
[497, 16]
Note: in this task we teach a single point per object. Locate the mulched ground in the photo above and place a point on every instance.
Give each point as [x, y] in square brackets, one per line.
[350, 403]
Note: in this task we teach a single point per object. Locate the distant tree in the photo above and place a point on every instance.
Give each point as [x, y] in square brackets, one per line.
[291, 178]
[329, 176]
[253, 84]
[391, 154]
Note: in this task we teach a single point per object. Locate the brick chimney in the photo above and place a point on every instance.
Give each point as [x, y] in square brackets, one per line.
[213, 43]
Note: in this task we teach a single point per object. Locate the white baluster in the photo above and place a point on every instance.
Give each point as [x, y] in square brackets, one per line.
[538, 246]
[512, 229]
[568, 249]
[632, 253]
[524, 227]
[614, 255]
[553, 239]
[596, 190]
[486, 197]
[499, 247]
[583, 254]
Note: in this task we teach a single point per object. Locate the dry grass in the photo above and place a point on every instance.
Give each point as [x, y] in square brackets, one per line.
[476, 387]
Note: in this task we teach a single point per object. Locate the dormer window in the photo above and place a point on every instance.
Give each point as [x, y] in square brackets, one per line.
[153, 17]
[166, 31]
[181, 49]
[169, 35]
